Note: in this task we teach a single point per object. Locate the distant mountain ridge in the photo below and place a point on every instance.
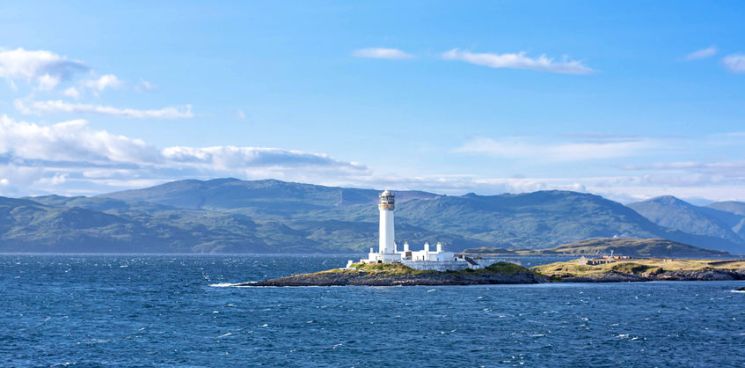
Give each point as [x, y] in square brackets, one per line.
[719, 220]
[236, 216]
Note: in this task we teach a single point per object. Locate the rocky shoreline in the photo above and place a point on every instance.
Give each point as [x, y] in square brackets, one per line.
[615, 276]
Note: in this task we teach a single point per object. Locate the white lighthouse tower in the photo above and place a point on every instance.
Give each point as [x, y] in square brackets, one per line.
[386, 240]
[387, 251]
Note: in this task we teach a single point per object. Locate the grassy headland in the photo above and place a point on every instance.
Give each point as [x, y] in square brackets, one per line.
[645, 269]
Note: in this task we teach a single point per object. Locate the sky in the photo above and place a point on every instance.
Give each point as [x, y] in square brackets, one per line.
[629, 100]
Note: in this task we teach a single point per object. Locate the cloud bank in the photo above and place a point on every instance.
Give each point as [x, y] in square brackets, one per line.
[72, 157]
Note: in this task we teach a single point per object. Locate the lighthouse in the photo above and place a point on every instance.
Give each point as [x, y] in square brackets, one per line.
[386, 239]
[426, 259]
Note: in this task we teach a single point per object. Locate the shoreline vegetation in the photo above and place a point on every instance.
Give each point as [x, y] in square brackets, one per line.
[627, 270]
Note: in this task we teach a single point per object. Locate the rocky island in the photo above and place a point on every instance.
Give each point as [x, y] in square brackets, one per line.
[394, 274]
[627, 270]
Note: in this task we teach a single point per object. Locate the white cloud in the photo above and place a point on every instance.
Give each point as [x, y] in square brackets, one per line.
[47, 82]
[702, 54]
[735, 63]
[519, 60]
[70, 141]
[240, 114]
[43, 68]
[103, 82]
[523, 148]
[59, 106]
[382, 53]
[71, 92]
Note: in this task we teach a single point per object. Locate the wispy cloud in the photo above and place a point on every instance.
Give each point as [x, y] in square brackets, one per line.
[59, 106]
[382, 53]
[523, 148]
[228, 158]
[702, 53]
[106, 81]
[519, 60]
[41, 72]
[43, 68]
[735, 63]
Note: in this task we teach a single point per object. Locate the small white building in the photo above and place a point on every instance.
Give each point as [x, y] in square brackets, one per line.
[426, 259]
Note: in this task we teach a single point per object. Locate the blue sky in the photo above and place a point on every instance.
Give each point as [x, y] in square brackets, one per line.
[629, 100]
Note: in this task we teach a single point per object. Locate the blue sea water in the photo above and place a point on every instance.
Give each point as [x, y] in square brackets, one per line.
[169, 311]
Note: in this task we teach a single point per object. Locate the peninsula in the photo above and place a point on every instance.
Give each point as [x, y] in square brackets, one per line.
[644, 269]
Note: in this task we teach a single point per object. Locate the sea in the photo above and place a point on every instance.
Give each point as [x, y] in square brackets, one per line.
[183, 311]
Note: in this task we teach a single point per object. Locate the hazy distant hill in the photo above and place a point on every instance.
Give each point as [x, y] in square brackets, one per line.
[633, 247]
[735, 208]
[738, 208]
[230, 215]
[709, 221]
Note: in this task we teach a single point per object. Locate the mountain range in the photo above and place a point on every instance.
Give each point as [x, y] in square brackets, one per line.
[271, 216]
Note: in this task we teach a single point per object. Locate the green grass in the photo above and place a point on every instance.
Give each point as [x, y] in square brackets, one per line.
[507, 268]
[386, 268]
